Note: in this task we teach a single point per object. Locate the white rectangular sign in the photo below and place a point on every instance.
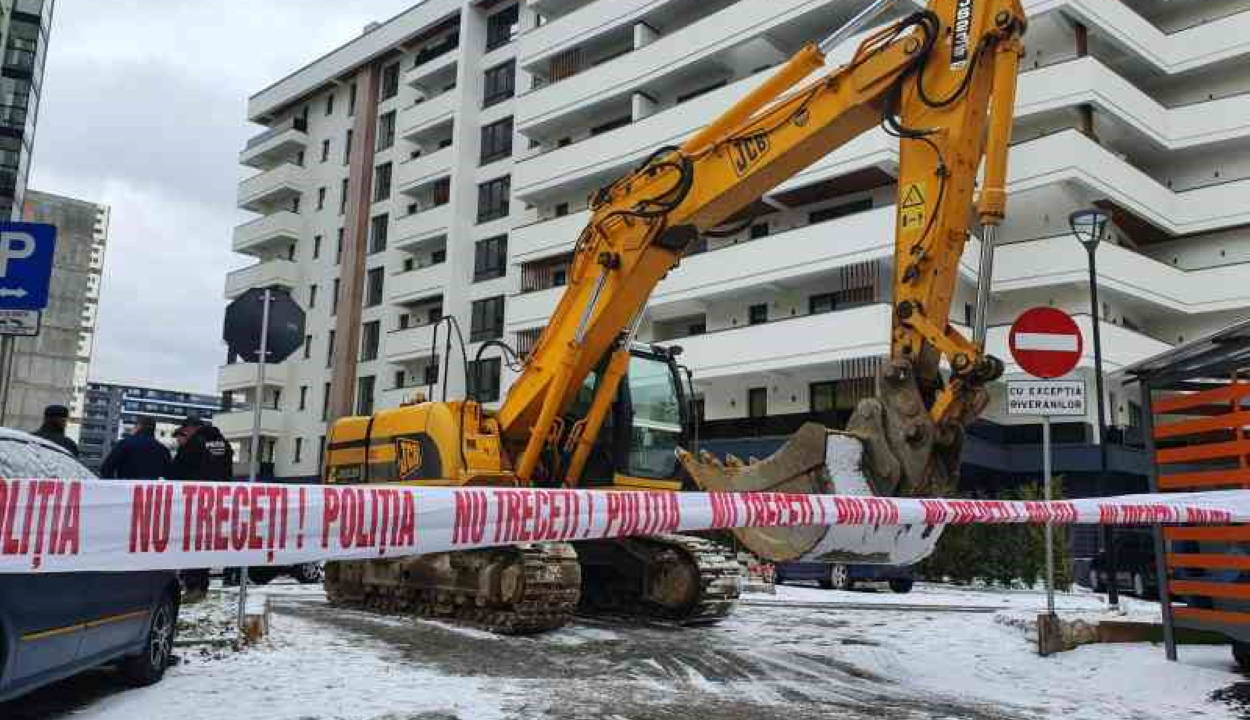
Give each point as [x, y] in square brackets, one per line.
[1046, 398]
[23, 323]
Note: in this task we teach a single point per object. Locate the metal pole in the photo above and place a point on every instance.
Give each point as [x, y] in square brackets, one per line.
[985, 284]
[1160, 545]
[855, 24]
[1108, 540]
[1050, 526]
[258, 406]
[8, 344]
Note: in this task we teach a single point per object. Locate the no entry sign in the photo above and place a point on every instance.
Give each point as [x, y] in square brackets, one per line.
[1046, 342]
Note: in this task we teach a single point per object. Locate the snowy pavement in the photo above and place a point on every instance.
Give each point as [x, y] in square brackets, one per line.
[791, 658]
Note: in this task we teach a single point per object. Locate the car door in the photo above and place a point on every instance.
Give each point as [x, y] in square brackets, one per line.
[42, 619]
[117, 613]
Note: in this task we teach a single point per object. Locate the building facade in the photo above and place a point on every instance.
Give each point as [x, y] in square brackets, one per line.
[52, 368]
[440, 163]
[24, 29]
[110, 412]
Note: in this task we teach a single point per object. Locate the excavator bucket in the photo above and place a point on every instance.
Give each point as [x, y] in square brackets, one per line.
[815, 460]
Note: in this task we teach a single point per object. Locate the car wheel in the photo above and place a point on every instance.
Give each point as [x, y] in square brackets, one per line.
[262, 575]
[1241, 653]
[902, 587]
[148, 666]
[838, 578]
[308, 573]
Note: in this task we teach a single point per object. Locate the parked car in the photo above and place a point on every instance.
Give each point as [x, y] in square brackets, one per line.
[1136, 571]
[836, 576]
[305, 573]
[55, 625]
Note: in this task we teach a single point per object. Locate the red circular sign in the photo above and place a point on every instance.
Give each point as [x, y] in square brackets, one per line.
[1046, 342]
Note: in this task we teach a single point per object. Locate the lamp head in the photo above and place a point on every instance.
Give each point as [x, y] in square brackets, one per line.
[1089, 226]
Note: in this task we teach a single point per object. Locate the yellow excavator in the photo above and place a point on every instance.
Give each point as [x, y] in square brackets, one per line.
[591, 407]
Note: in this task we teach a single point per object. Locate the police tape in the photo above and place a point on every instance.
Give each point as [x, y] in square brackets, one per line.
[89, 525]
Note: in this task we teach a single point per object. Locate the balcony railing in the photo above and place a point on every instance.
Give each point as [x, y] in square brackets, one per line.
[296, 124]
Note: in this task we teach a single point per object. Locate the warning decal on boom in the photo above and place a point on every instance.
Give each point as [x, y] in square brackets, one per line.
[911, 209]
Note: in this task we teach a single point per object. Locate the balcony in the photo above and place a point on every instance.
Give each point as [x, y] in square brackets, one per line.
[422, 226]
[432, 66]
[421, 117]
[283, 228]
[546, 238]
[261, 192]
[410, 344]
[419, 284]
[275, 145]
[271, 273]
[419, 171]
[789, 344]
[396, 397]
[242, 376]
[584, 24]
[238, 425]
[532, 309]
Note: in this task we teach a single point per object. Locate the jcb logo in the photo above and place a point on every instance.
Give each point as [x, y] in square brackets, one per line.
[407, 458]
[746, 152]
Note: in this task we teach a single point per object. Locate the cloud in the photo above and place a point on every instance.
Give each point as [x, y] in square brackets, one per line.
[144, 109]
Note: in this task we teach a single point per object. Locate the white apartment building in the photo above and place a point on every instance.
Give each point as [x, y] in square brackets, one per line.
[478, 129]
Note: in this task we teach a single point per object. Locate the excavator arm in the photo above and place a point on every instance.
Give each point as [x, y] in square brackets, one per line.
[943, 81]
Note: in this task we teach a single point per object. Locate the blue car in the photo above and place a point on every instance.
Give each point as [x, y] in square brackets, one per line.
[55, 625]
[835, 576]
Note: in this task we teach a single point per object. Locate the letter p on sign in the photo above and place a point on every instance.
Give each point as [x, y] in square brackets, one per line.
[26, 253]
[14, 245]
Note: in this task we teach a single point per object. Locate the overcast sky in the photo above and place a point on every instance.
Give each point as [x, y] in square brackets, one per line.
[144, 109]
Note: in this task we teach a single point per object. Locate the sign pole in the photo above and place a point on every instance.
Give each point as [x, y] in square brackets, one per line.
[258, 404]
[1050, 525]
[8, 346]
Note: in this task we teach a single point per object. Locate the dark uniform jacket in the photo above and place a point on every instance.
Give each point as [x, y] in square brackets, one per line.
[205, 456]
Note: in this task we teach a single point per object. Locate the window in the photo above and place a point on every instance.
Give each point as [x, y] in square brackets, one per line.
[390, 82]
[823, 303]
[295, 204]
[364, 395]
[839, 211]
[325, 151]
[487, 319]
[430, 375]
[343, 197]
[759, 230]
[497, 140]
[338, 248]
[759, 314]
[316, 247]
[308, 347]
[382, 182]
[484, 379]
[347, 147]
[299, 448]
[386, 131]
[701, 91]
[500, 84]
[330, 350]
[562, 209]
[370, 339]
[438, 257]
[351, 100]
[321, 198]
[823, 397]
[490, 258]
[611, 125]
[290, 252]
[373, 287]
[330, 104]
[321, 448]
[334, 301]
[757, 402]
[379, 229]
[492, 199]
[697, 328]
[325, 403]
[312, 296]
[501, 27]
[303, 397]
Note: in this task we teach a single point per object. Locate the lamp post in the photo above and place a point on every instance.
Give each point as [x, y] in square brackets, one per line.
[1090, 227]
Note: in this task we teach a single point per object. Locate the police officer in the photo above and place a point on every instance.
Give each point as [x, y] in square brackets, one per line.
[55, 418]
[203, 454]
[138, 456]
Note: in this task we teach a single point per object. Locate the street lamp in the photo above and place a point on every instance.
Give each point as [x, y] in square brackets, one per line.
[1090, 227]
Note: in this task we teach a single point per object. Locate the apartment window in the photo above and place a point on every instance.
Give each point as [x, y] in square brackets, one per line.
[321, 453]
[757, 402]
[487, 319]
[347, 146]
[312, 296]
[490, 258]
[330, 104]
[334, 301]
[430, 376]
[701, 91]
[379, 229]
[822, 303]
[373, 287]
[290, 252]
[759, 230]
[343, 197]
[390, 82]
[321, 198]
[562, 209]
[611, 125]
[492, 199]
[325, 403]
[382, 182]
[303, 397]
[823, 397]
[325, 151]
[698, 328]
[497, 140]
[501, 28]
[330, 350]
[386, 131]
[438, 257]
[370, 339]
[316, 247]
[351, 100]
[759, 314]
[484, 379]
[299, 449]
[500, 84]
[838, 211]
[364, 395]
[308, 347]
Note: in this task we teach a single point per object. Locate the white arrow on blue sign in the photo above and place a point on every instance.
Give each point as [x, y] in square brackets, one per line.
[26, 253]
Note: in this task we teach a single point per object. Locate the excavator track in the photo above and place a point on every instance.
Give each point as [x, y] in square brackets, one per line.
[529, 589]
[672, 579]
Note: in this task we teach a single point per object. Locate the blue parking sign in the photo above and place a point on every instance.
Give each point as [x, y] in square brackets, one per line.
[26, 253]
